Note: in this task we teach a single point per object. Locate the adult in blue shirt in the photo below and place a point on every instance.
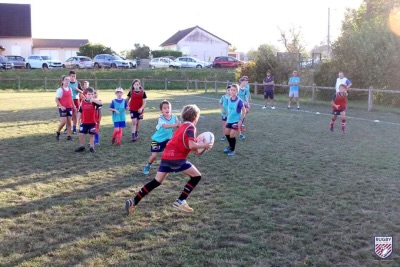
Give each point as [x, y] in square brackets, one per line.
[293, 83]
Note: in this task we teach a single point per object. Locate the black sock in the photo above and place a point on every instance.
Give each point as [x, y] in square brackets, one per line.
[189, 187]
[145, 190]
[233, 143]
[229, 140]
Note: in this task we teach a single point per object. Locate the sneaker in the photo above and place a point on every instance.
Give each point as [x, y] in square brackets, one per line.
[182, 205]
[272, 107]
[80, 149]
[146, 169]
[69, 138]
[223, 138]
[57, 136]
[288, 107]
[331, 127]
[129, 207]
[227, 150]
[232, 153]
[113, 140]
[74, 132]
[344, 130]
[242, 137]
[91, 150]
[264, 107]
[96, 143]
[298, 108]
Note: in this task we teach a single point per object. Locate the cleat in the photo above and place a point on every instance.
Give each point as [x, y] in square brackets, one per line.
[182, 205]
[331, 127]
[91, 150]
[288, 107]
[344, 130]
[242, 137]
[223, 138]
[80, 149]
[264, 107]
[232, 153]
[227, 150]
[146, 169]
[57, 136]
[113, 140]
[298, 108]
[272, 107]
[69, 138]
[129, 207]
[74, 132]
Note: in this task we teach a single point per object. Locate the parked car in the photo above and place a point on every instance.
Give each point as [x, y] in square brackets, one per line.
[132, 62]
[18, 61]
[164, 63]
[192, 62]
[109, 61]
[226, 62]
[5, 64]
[42, 62]
[79, 62]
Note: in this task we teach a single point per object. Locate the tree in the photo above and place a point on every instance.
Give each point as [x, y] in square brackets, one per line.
[232, 48]
[91, 50]
[139, 51]
[292, 40]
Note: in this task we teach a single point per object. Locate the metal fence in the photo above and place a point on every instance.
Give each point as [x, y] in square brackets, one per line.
[207, 86]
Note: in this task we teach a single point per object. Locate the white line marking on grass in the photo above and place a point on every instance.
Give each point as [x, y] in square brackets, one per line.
[313, 112]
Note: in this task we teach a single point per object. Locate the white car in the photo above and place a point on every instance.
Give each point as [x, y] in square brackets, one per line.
[132, 62]
[164, 63]
[192, 62]
[79, 62]
[42, 62]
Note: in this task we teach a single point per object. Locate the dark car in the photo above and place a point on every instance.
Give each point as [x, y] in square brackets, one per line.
[110, 61]
[226, 62]
[18, 61]
[5, 64]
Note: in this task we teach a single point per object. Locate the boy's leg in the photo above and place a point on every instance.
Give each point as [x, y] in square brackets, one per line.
[298, 102]
[133, 131]
[150, 161]
[332, 122]
[195, 177]
[228, 138]
[290, 101]
[232, 136]
[81, 148]
[343, 115]
[69, 121]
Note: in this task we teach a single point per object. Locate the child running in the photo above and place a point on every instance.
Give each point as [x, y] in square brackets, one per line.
[118, 107]
[164, 130]
[236, 113]
[223, 105]
[174, 159]
[339, 105]
[137, 102]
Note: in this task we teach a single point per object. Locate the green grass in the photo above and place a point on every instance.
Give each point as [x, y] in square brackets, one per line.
[295, 194]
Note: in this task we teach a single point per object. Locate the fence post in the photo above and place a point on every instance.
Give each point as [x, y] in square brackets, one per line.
[119, 82]
[216, 87]
[19, 83]
[370, 98]
[313, 94]
[165, 84]
[187, 84]
[45, 83]
[95, 82]
[255, 88]
[205, 85]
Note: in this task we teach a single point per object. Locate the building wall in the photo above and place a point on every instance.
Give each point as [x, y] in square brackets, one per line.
[202, 45]
[61, 54]
[170, 47]
[17, 46]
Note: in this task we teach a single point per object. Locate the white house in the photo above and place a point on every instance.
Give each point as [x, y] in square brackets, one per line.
[197, 42]
[61, 49]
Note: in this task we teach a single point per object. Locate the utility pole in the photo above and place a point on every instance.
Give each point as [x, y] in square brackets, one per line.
[329, 29]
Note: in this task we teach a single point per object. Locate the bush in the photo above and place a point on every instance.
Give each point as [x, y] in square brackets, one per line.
[163, 53]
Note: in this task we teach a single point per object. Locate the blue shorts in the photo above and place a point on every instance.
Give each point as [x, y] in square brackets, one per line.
[136, 115]
[269, 93]
[65, 113]
[337, 112]
[119, 124]
[233, 125]
[158, 147]
[224, 118]
[174, 165]
[87, 128]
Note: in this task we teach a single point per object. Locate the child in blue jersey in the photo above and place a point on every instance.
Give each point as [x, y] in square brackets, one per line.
[223, 104]
[164, 130]
[294, 83]
[244, 94]
[118, 107]
[236, 113]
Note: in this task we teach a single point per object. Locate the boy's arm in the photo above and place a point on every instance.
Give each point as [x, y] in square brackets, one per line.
[97, 101]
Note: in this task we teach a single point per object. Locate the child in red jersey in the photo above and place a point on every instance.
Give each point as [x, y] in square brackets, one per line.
[339, 105]
[87, 112]
[65, 107]
[98, 119]
[174, 159]
[137, 102]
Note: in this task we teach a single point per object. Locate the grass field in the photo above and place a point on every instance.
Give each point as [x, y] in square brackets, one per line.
[294, 195]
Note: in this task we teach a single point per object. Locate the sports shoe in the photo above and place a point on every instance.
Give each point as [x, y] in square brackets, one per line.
[272, 107]
[74, 132]
[331, 127]
[182, 205]
[242, 137]
[232, 153]
[57, 136]
[288, 107]
[344, 129]
[69, 138]
[113, 140]
[129, 207]
[298, 107]
[146, 169]
[264, 107]
[223, 138]
[134, 139]
[80, 149]
[227, 150]
[91, 150]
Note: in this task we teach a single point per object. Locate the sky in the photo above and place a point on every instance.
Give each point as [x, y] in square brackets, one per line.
[120, 24]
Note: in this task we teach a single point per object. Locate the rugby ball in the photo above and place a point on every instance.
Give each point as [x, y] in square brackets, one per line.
[205, 137]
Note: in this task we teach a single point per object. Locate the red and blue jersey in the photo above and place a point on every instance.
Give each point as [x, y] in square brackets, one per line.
[341, 100]
[178, 147]
[136, 99]
[88, 111]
